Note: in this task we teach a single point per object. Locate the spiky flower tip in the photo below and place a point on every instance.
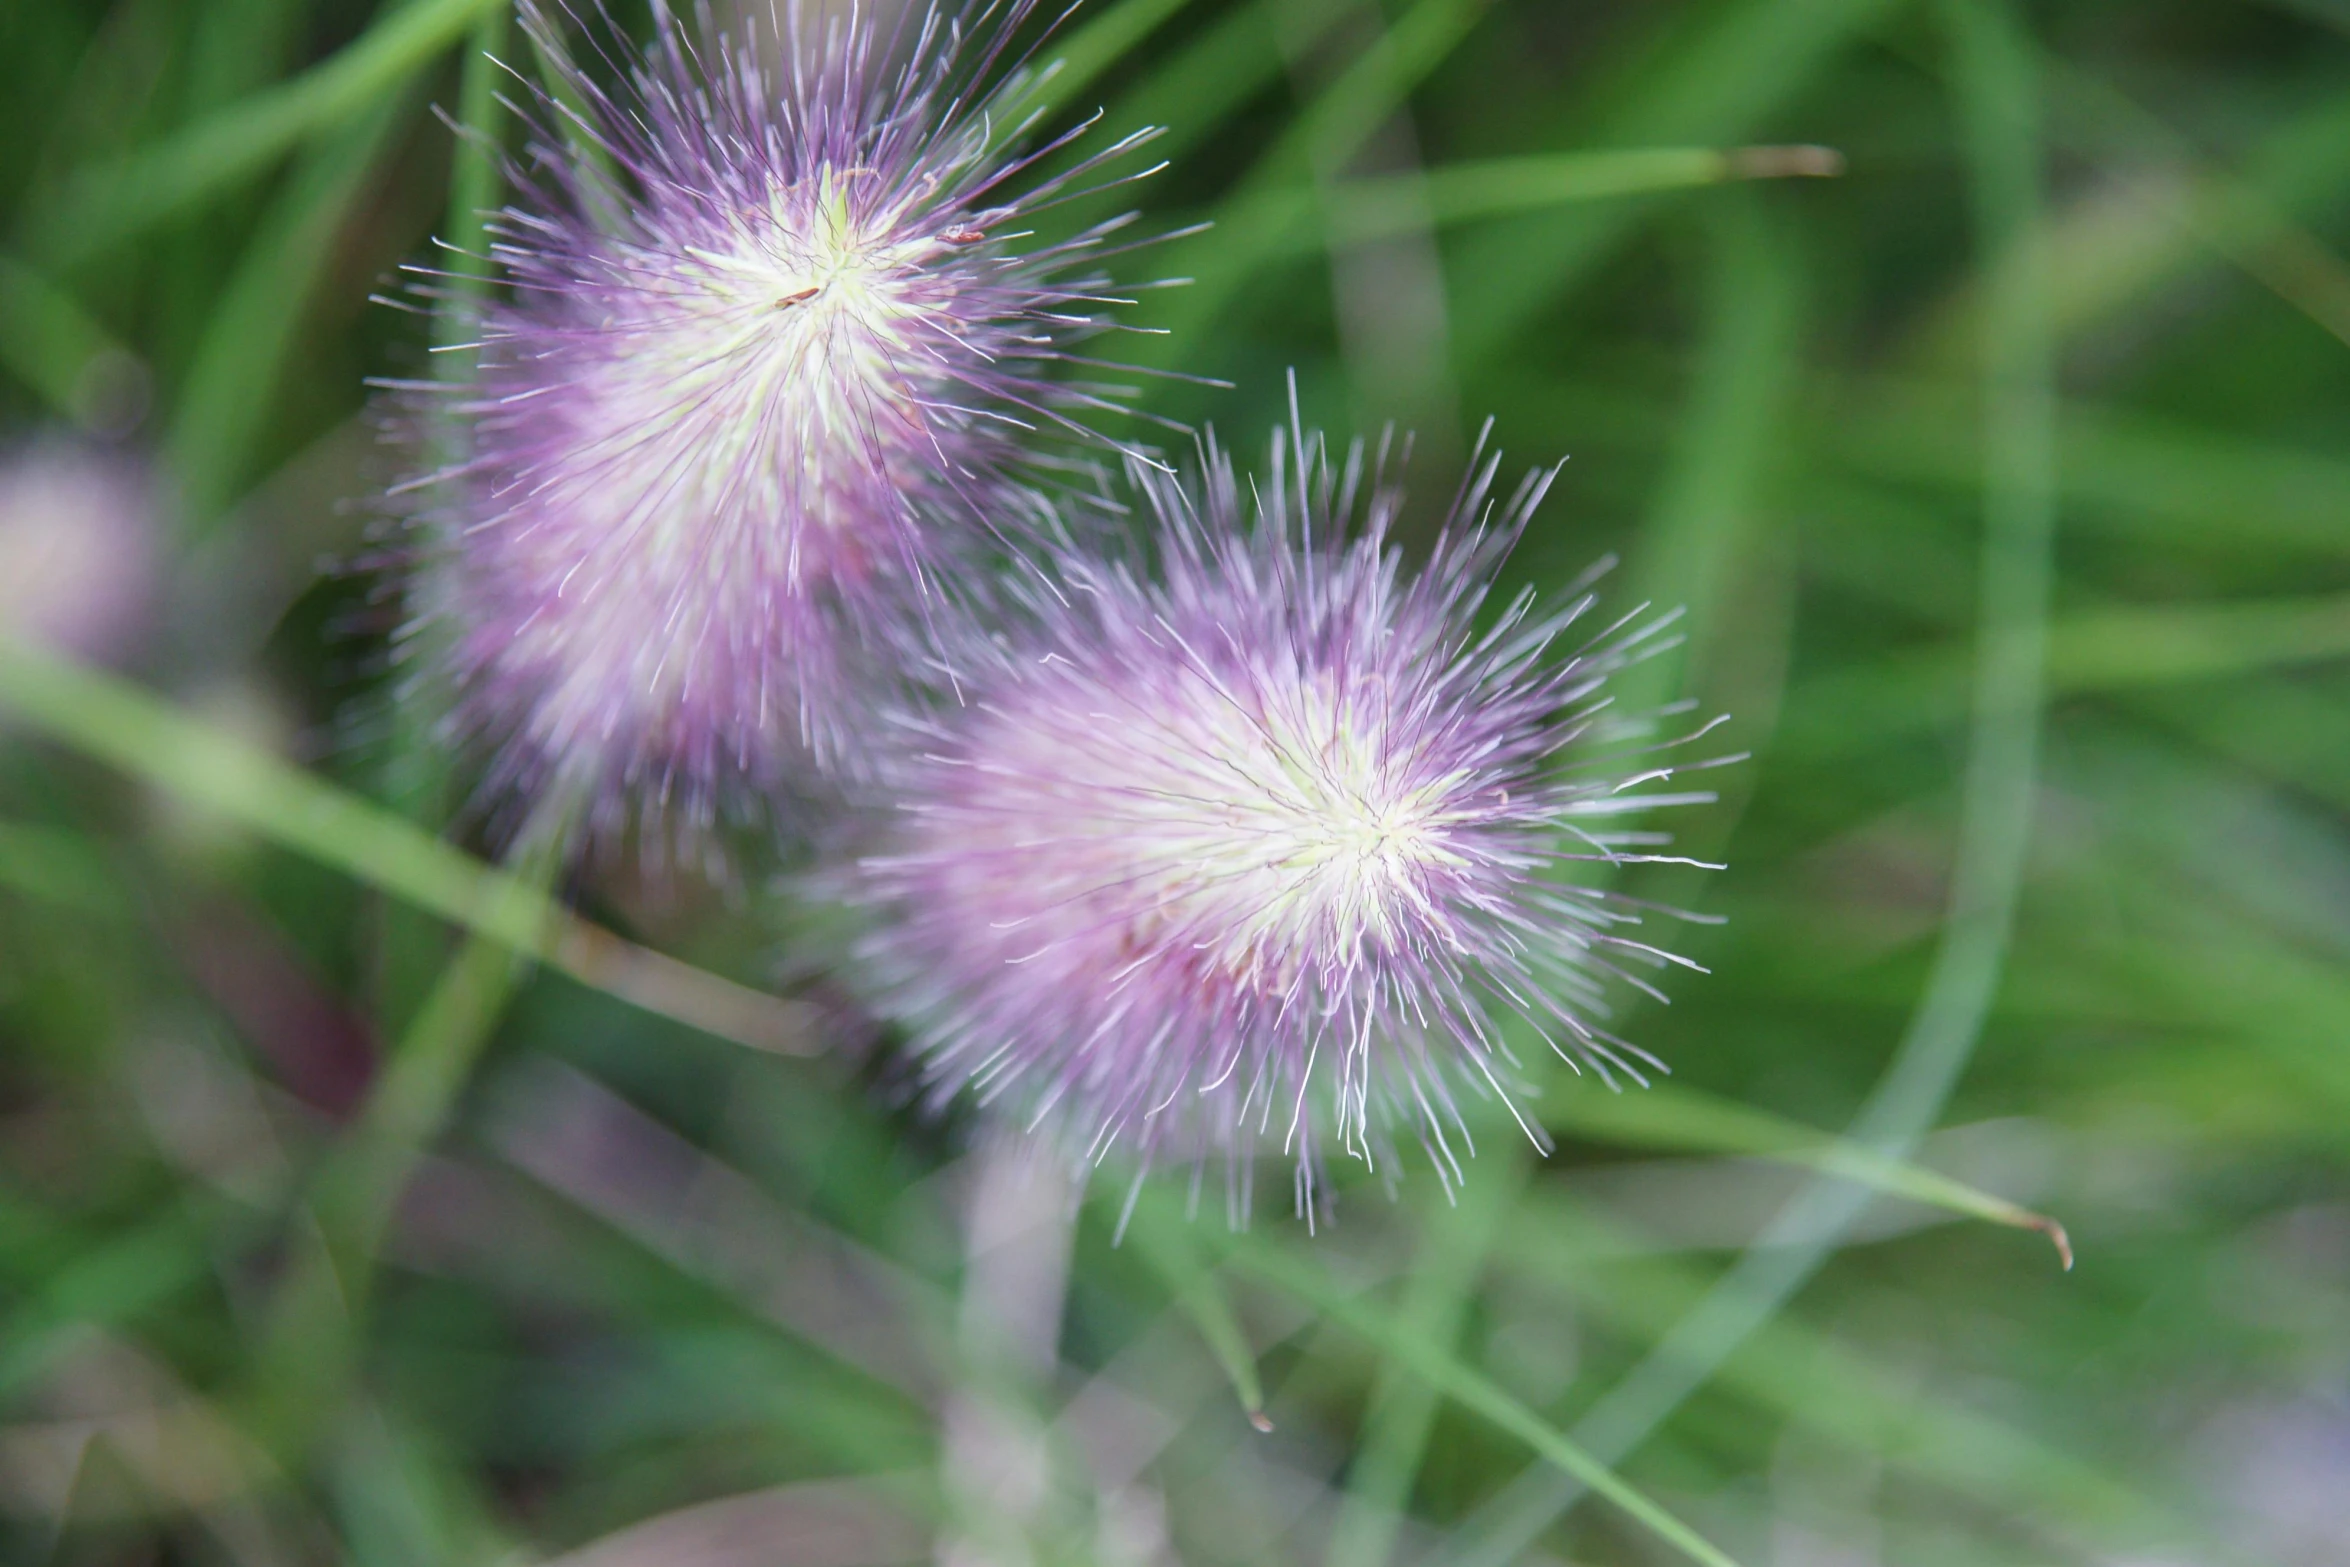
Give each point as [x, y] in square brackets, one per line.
[1278, 841]
[768, 382]
[79, 541]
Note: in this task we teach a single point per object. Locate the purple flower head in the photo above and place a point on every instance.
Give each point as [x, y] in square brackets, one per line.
[80, 548]
[769, 374]
[1275, 842]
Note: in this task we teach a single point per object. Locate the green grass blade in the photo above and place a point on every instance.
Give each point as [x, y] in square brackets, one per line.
[1256, 227]
[2158, 481]
[319, 1310]
[1668, 1116]
[1718, 86]
[476, 180]
[1099, 44]
[1170, 1253]
[56, 866]
[104, 206]
[1378, 82]
[1437, 1298]
[1999, 100]
[2190, 215]
[231, 388]
[103, 1287]
[415, 780]
[1705, 536]
[54, 346]
[2123, 649]
[1472, 1391]
[1212, 78]
[117, 723]
[1380, 206]
[1794, 1372]
[1325, 136]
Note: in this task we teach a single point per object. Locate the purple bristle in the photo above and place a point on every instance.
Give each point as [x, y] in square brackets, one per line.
[769, 387]
[1276, 842]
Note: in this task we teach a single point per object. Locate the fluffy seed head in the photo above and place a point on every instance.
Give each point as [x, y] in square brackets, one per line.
[78, 547]
[770, 365]
[1275, 843]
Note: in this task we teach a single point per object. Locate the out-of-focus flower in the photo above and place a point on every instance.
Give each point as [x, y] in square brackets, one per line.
[768, 379]
[78, 543]
[1273, 842]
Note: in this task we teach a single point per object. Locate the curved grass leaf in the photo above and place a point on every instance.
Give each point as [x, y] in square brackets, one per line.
[1253, 228]
[51, 344]
[1800, 1374]
[1997, 94]
[1192, 1282]
[253, 329]
[106, 205]
[1667, 1116]
[125, 727]
[1472, 1390]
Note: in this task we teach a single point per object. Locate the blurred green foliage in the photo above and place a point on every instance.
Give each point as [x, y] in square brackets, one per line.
[2002, 475]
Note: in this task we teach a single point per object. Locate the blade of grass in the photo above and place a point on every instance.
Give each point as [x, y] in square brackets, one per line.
[231, 387]
[1497, 187]
[1718, 86]
[411, 1100]
[1170, 1253]
[1468, 1388]
[1324, 136]
[1797, 1373]
[106, 205]
[1212, 78]
[320, 1309]
[318, 1314]
[56, 866]
[1447, 1275]
[106, 1285]
[2165, 481]
[1699, 537]
[2159, 481]
[2111, 254]
[1099, 44]
[1254, 227]
[2105, 650]
[2230, 215]
[1999, 98]
[415, 780]
[1387, 292]
[2273, 729]
[1668, 1116]
[1380, 206]
[476, 180]
[117, 723]
[54, 346]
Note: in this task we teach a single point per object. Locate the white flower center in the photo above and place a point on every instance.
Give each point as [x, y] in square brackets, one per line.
[750, 426]
[1259, 827]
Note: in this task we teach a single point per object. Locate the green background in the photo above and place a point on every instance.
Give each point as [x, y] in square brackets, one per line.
[2001, 475]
